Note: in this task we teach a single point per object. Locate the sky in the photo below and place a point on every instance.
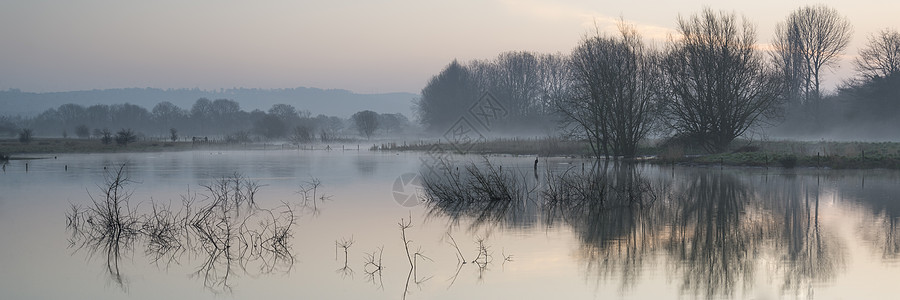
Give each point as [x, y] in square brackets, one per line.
[373, 46]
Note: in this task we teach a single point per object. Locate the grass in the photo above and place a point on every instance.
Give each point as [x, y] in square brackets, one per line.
[789, 154]
[547, 146]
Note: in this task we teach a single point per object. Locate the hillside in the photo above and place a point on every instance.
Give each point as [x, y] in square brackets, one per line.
[342, 103]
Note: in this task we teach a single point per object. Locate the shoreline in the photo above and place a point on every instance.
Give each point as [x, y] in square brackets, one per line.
[783, 154]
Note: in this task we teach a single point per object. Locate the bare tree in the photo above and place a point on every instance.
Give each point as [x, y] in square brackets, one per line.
[125, 136]
[811, 38]
[788, 56]
[516, 82]
[26, 135]
[366, 122]
[105, 136]
[82, 131]
[302, 134]
[612, 103]
[717, 83]
[881, 56]
[556, 83]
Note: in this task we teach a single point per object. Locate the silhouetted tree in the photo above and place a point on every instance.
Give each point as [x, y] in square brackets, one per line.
[106, 136]
[166, 114]
[173, 134]
[269, 126]
[125, 136]
[7, 126]
[129, 115]
[523, 83]
[98, 116]
[285, 112]
[717, 84]
[392, 123]
[70, 114]
[366, 122]
[446, 98]
[813, 37]
[201, 113]
[224, 114]
[513, 78]
[26, 135]
[881, 56]
[301, 134]
[613, 98]
[82, 131]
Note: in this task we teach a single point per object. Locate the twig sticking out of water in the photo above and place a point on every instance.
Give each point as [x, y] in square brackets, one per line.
[403, 226]
[345, 244]
[460, 257]
[227, 228]
[309, 197]
[373, 267]
[109, 225]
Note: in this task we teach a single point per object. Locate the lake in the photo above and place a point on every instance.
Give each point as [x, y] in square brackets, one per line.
[385, 225]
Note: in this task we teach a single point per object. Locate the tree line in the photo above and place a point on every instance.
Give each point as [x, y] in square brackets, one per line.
[707, 85]
[221, 118]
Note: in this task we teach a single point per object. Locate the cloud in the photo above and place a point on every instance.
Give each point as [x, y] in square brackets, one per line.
[587, 18]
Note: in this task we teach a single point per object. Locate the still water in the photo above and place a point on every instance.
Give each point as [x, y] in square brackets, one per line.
[355, 225]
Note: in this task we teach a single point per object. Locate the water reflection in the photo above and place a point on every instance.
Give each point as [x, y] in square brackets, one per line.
[611, 209]
[109, 226]
[878, 197]
[707, 233]
[223, 228]
[711, 229]
[483, 193]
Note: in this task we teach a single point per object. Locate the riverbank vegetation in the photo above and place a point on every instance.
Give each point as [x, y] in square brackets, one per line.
[786, 154]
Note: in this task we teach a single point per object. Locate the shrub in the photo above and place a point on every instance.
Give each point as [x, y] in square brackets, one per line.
[788, 161]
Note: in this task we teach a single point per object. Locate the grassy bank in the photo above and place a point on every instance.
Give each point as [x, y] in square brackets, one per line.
[788, 154]
[549, 146]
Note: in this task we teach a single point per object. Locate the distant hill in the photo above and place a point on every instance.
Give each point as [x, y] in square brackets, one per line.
[342, 103]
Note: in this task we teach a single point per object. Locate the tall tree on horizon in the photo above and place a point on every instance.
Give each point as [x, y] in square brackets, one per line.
[717, 84]
[811, 38]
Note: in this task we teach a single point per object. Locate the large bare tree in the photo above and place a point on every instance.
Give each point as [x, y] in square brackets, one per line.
[717, 83]
[881, 56]
[612, 100]
[812, 37]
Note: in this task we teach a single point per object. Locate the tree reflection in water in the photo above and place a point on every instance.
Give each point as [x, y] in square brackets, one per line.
[226, 231]
[484, 194]
[712, 229]
[877, 196]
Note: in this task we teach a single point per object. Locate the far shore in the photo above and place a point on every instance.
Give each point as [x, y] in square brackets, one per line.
[784, 154]
[49, 146]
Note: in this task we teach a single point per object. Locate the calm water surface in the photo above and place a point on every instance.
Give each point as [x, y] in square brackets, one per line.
[692, 232]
